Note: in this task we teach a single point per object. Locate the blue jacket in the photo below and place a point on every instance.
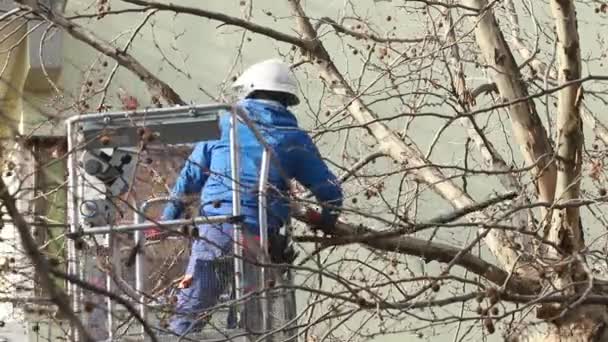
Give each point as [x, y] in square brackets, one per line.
[207, 170]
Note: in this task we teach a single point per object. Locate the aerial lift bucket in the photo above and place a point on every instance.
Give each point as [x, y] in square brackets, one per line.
[105, 152]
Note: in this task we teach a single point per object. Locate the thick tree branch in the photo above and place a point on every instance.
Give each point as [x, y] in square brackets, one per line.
[427, 250]
[527, 127]
[441, 219]
[490, 155]
[565, 228]
[600, 130]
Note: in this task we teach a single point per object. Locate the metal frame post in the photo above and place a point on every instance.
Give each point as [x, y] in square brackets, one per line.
[110, 286]
[140, 267]
[263, 222]
[74, 222]
[236, 211]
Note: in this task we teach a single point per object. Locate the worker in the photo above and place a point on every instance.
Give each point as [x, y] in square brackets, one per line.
[265, 92]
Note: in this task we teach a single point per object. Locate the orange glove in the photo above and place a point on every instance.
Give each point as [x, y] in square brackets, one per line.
[185, 282]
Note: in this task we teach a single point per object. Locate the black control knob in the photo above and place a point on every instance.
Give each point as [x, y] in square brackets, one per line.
[93, 167]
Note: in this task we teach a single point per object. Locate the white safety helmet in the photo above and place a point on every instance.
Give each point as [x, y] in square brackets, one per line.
[269, 75]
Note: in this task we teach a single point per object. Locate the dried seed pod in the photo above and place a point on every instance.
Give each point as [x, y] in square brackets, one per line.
[88, 306]
[79, 244]
[361, 301]
[489, 325]
[105, 140]
[493, 294]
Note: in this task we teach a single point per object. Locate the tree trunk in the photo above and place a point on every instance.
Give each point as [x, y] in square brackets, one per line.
[565, 229]
[583, 323]
[527, 127]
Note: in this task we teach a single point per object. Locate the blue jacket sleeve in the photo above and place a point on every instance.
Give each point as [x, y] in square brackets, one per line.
[191, 180]
[312, 172]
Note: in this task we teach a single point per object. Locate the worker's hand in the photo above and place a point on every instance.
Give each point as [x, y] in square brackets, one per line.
[313, 218]
[320, 223]
[185, 282]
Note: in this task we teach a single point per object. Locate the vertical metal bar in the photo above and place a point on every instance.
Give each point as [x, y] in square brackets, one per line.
[110, 287]
[263, 222]
[236, 211]
[73, 219]
[139, 265]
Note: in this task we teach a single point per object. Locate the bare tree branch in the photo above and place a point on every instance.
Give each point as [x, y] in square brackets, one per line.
[226, 19]
[112, 296]
[600, 130]
[40, 263]
[367, 36]
[155, 86]
[404, 152]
